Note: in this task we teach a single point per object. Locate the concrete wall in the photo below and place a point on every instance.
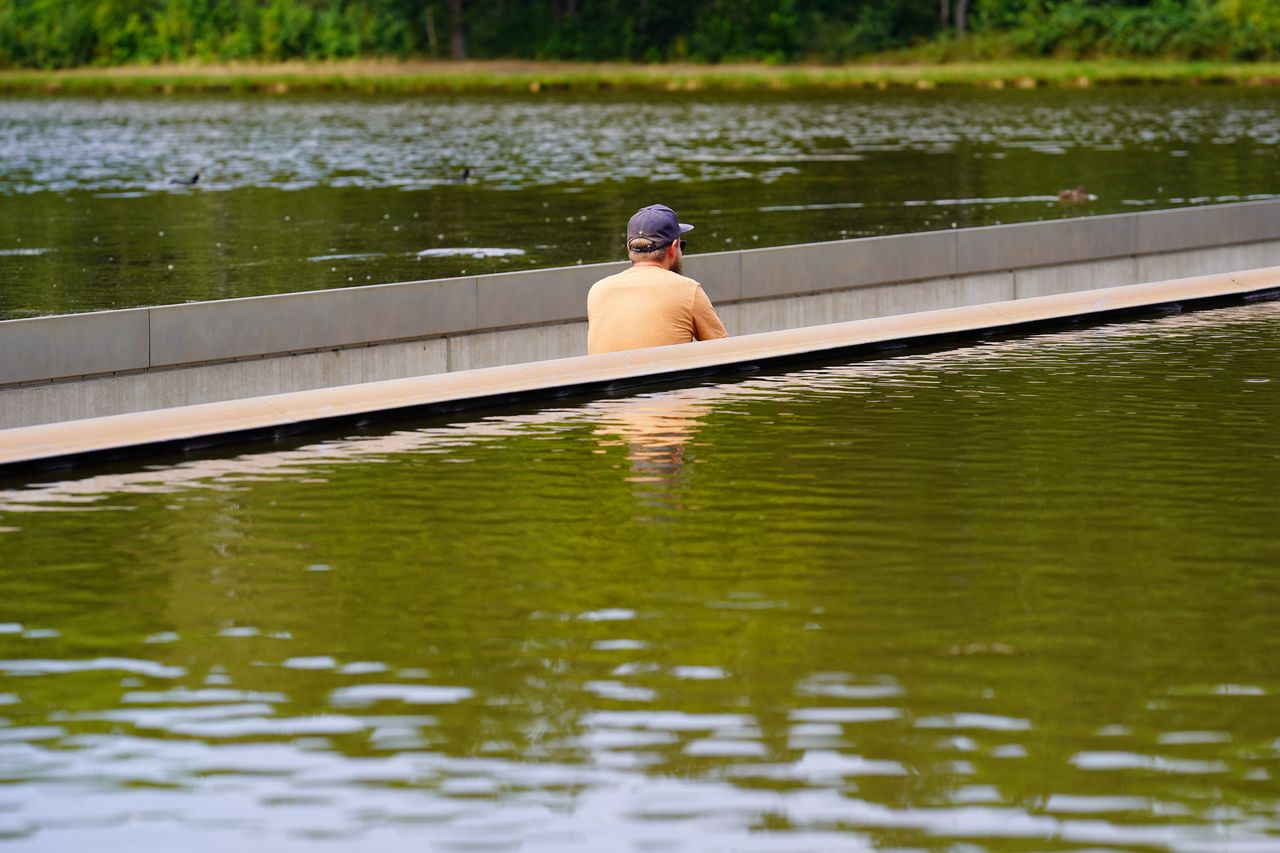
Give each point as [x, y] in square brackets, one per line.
[112, 362]
[264, 418]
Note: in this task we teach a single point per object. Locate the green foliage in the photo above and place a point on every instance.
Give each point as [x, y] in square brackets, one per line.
[53, 34]
[64, 33]
[1189, 29]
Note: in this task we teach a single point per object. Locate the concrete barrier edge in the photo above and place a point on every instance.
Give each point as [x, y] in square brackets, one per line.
[76, 345]
[25, 446]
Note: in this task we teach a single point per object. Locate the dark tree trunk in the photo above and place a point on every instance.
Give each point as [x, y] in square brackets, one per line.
[457, 38]
[432, 44]
[563, 10]
[945, 15]
[962, 16]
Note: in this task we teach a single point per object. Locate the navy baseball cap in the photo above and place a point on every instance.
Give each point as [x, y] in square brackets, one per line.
[654, 227]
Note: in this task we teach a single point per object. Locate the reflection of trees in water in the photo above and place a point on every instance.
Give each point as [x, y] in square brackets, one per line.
[877, 576]
[355, 210]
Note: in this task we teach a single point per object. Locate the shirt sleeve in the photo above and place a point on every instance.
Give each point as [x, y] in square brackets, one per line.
[706, 323]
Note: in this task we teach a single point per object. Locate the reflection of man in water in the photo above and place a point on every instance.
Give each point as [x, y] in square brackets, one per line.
[655, 430]
[652, 304]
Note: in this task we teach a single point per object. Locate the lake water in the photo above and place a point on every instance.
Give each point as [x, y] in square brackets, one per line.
[1018, 596]
[304, 193]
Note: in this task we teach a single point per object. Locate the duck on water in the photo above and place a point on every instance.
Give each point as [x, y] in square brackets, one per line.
[1078, 195]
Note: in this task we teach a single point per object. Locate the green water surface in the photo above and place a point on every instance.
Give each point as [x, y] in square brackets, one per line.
[305, 193]
[1019, 596]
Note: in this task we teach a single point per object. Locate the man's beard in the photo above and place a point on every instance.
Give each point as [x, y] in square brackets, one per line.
[678, 266]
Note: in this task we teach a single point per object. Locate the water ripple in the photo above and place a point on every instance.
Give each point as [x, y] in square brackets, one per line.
[1018, 595]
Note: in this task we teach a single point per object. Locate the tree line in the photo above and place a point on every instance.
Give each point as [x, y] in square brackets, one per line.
[54, 34]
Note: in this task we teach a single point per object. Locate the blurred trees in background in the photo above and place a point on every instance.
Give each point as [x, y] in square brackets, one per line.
[65, 33]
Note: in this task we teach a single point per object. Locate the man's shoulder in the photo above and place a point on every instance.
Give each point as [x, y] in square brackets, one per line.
[618, 276]
[684, 279]
[603, 286]
[649, 274]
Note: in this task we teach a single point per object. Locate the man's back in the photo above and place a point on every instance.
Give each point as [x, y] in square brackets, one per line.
[648, 306]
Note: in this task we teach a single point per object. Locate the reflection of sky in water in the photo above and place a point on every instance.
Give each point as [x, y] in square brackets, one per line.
[785, 694]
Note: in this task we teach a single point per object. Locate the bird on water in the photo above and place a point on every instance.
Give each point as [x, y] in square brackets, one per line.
[186, 182]
[1079, 195]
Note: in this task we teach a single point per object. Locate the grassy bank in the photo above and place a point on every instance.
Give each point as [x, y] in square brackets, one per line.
[477, 77]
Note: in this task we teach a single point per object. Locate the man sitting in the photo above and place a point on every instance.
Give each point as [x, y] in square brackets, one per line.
[652, 304]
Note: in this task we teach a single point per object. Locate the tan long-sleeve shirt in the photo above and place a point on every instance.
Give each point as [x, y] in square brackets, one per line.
[648, 306]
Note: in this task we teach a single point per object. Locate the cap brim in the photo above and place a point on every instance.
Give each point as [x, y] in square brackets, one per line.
[685, 229]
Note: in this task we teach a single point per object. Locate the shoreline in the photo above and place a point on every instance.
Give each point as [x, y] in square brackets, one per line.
[503, 76]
